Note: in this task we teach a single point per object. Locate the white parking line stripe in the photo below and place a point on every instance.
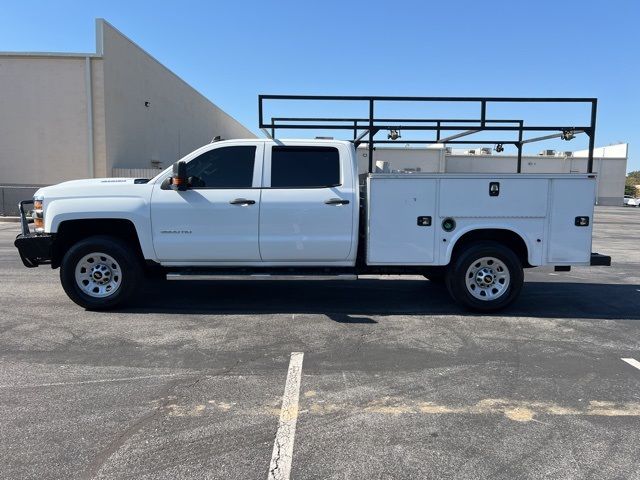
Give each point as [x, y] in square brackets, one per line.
[280, 467]
[85, 382]
[632, 361]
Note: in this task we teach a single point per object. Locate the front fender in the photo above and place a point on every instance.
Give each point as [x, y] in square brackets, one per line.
[134, 209]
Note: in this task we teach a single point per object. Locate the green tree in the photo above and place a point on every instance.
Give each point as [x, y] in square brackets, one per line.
[633, 179]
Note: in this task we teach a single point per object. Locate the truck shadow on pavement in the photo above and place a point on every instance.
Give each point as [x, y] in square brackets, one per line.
[353, 302]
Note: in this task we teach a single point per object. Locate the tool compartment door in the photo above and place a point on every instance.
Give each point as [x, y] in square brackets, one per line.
[571, 198]
[394, 235]
[515, 197]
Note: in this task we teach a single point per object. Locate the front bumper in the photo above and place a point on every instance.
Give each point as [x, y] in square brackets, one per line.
[34, 248]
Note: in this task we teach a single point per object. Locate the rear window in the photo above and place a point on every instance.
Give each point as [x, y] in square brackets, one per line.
[305, 167]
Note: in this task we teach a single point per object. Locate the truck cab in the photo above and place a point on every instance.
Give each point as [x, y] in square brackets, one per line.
[259, 202]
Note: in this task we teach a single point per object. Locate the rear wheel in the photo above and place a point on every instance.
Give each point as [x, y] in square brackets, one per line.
[100, 272]
[485, 277]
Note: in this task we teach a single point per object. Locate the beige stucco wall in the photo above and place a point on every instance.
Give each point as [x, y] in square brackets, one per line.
[43, 119]
[178, 120]
[46, 136]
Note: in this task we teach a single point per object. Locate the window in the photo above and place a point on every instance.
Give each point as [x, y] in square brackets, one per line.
[305, 167]
[225, 167]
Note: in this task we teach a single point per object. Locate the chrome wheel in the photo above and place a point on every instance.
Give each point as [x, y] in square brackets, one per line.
[98, 275]
[487, 278]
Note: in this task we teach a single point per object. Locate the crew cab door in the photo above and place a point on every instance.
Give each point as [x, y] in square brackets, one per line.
[217, 218]
[308, 202]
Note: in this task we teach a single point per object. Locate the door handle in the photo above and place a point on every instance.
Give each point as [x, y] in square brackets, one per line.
[336, 201]
[242, 201]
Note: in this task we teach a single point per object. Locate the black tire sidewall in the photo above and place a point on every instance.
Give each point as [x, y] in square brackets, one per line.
[129, 265]
[456, 277]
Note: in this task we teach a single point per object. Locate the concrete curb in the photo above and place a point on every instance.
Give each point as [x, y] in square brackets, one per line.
[9, 219]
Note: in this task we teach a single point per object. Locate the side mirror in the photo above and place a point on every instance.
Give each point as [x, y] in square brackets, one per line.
[179, 178]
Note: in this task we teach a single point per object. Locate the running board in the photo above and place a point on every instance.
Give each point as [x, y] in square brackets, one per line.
[257, 276]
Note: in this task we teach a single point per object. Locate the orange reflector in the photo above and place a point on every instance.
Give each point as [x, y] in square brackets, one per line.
[37, 204]
[38, 222]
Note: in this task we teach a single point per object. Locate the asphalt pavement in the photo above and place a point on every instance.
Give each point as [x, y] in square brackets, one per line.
[395, 381]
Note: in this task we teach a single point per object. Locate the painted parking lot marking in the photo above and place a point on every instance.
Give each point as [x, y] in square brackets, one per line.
[632, 361]
[280, 467]
[88, 382]
[519, 410]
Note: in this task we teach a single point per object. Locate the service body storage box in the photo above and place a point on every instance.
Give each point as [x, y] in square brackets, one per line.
[410, 215]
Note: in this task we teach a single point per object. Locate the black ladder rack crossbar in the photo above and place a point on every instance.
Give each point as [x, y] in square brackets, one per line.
[371, 125]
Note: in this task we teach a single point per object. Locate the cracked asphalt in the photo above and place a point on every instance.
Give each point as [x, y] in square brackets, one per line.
[397, 382]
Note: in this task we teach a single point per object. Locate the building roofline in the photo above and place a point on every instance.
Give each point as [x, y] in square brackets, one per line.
[99, 54]
[50, 54]
[100, 22]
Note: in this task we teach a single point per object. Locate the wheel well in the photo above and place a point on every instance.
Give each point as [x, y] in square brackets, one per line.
[507, 238]
[72, 231]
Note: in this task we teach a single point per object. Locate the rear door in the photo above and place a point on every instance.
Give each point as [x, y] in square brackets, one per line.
[308, 201]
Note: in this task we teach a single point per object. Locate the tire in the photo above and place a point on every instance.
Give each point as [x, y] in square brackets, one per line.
[485, 277]
[100, 272]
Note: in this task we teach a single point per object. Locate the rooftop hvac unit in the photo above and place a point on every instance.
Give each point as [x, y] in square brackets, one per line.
[548, 153]
[448, 150]
[568, 154]
[471, 152]
[485, 151]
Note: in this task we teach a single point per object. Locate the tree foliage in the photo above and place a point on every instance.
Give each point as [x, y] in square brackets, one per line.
[631, 183]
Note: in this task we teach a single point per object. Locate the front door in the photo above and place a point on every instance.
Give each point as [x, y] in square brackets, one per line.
[308, 201]
[215, 220]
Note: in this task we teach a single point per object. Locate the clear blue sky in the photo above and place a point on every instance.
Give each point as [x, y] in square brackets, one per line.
[233, 50]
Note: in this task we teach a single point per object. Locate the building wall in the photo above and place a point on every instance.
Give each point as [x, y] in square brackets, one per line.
[75, 115]
[177, 121]
[43, 119]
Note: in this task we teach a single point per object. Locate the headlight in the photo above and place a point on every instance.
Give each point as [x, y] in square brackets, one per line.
[38, 215]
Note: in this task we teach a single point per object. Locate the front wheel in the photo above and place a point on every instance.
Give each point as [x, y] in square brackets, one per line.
[485, 277]
[100, 272]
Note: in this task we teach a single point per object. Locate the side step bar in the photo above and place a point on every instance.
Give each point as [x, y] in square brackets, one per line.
[257, 276]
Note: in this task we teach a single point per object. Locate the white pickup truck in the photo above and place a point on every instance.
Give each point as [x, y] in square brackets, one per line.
[267, 208]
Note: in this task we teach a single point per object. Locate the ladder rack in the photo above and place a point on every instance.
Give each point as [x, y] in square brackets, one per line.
[365, 129]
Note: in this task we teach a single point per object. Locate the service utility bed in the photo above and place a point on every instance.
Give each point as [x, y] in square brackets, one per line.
[545, 210]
